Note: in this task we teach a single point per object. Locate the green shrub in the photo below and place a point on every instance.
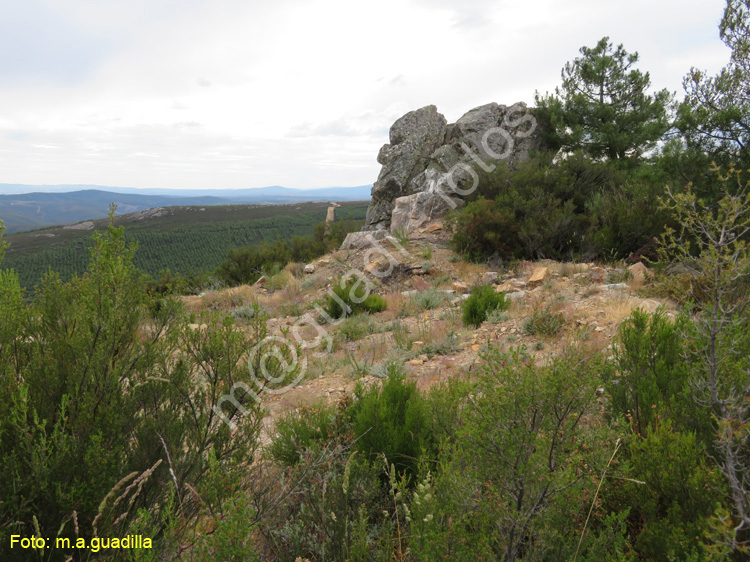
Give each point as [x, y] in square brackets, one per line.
[247, 264]
[671, 510]
[517, 471]
[374, 304]
[331, 509]
[297, 432]
[169, 283]
[625, 217]
[276, 280]
[355, 328]
[350, 297]
[653, 376]
[392, 420]
[482, 229]
[543, 322]
[482, 301]
[98, 385]
[573, 207]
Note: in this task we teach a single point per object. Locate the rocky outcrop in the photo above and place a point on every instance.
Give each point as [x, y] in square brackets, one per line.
[413, 211]
[429, 166]
[413, 139]
[360, 240]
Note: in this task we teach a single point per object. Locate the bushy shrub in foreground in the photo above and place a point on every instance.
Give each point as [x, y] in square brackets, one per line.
[106, 406]
[392, 420]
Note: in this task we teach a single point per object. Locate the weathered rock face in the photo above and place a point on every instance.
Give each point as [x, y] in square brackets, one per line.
[413, 211]
[360, 240]
[429, 166]
[414, 137]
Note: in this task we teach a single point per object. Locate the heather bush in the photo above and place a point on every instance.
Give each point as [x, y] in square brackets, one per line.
[574, 207]
[332, 506]
[392, 420]
[351, 297]
[652, 376]
[481, 230]
[297, 432]
[106, 406]
[519, 463]
[678, 496]
[482, 301]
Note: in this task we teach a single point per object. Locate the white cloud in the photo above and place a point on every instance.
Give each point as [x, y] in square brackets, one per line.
[232, 93]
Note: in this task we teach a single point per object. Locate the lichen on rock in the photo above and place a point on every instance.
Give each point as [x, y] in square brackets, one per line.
[429, 166]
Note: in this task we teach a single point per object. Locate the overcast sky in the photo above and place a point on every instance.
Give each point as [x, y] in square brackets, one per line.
[246, 93]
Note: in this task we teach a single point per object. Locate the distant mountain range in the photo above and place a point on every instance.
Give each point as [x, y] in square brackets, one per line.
[27, 207]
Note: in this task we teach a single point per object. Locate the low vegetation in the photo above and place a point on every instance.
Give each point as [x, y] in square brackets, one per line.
[121, 413]
[107, 393]
[351, 296]
[544, 322]
[482, 301]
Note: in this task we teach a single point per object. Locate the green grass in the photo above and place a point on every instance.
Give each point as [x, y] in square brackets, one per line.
[185, 239]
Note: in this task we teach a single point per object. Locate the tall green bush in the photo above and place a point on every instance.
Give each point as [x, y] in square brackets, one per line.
[652, 377]
[521, 471]
[393, 421]
[98, 387]
[673, 492]
[482, 229]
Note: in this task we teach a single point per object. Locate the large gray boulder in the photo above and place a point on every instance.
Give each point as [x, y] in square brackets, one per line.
[413, 138]
[429, 166]
[361, 240]
[413, 211]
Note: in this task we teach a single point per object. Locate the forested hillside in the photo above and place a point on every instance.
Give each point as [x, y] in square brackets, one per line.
[26, 207]
[181, 239]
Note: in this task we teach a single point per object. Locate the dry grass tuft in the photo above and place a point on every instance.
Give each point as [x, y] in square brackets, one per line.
[282, 280]
[296, 269]
[568, 269]
[223, 299]
[396, 305]
[617, 309]
[468, 272]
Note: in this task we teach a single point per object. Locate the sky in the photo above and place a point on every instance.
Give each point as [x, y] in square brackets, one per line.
[246, 93]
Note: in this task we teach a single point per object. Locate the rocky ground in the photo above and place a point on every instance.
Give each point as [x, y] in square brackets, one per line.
[553, 306]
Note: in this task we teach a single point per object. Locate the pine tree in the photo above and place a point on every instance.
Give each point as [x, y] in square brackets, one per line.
[715, 116]
[603, 107]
